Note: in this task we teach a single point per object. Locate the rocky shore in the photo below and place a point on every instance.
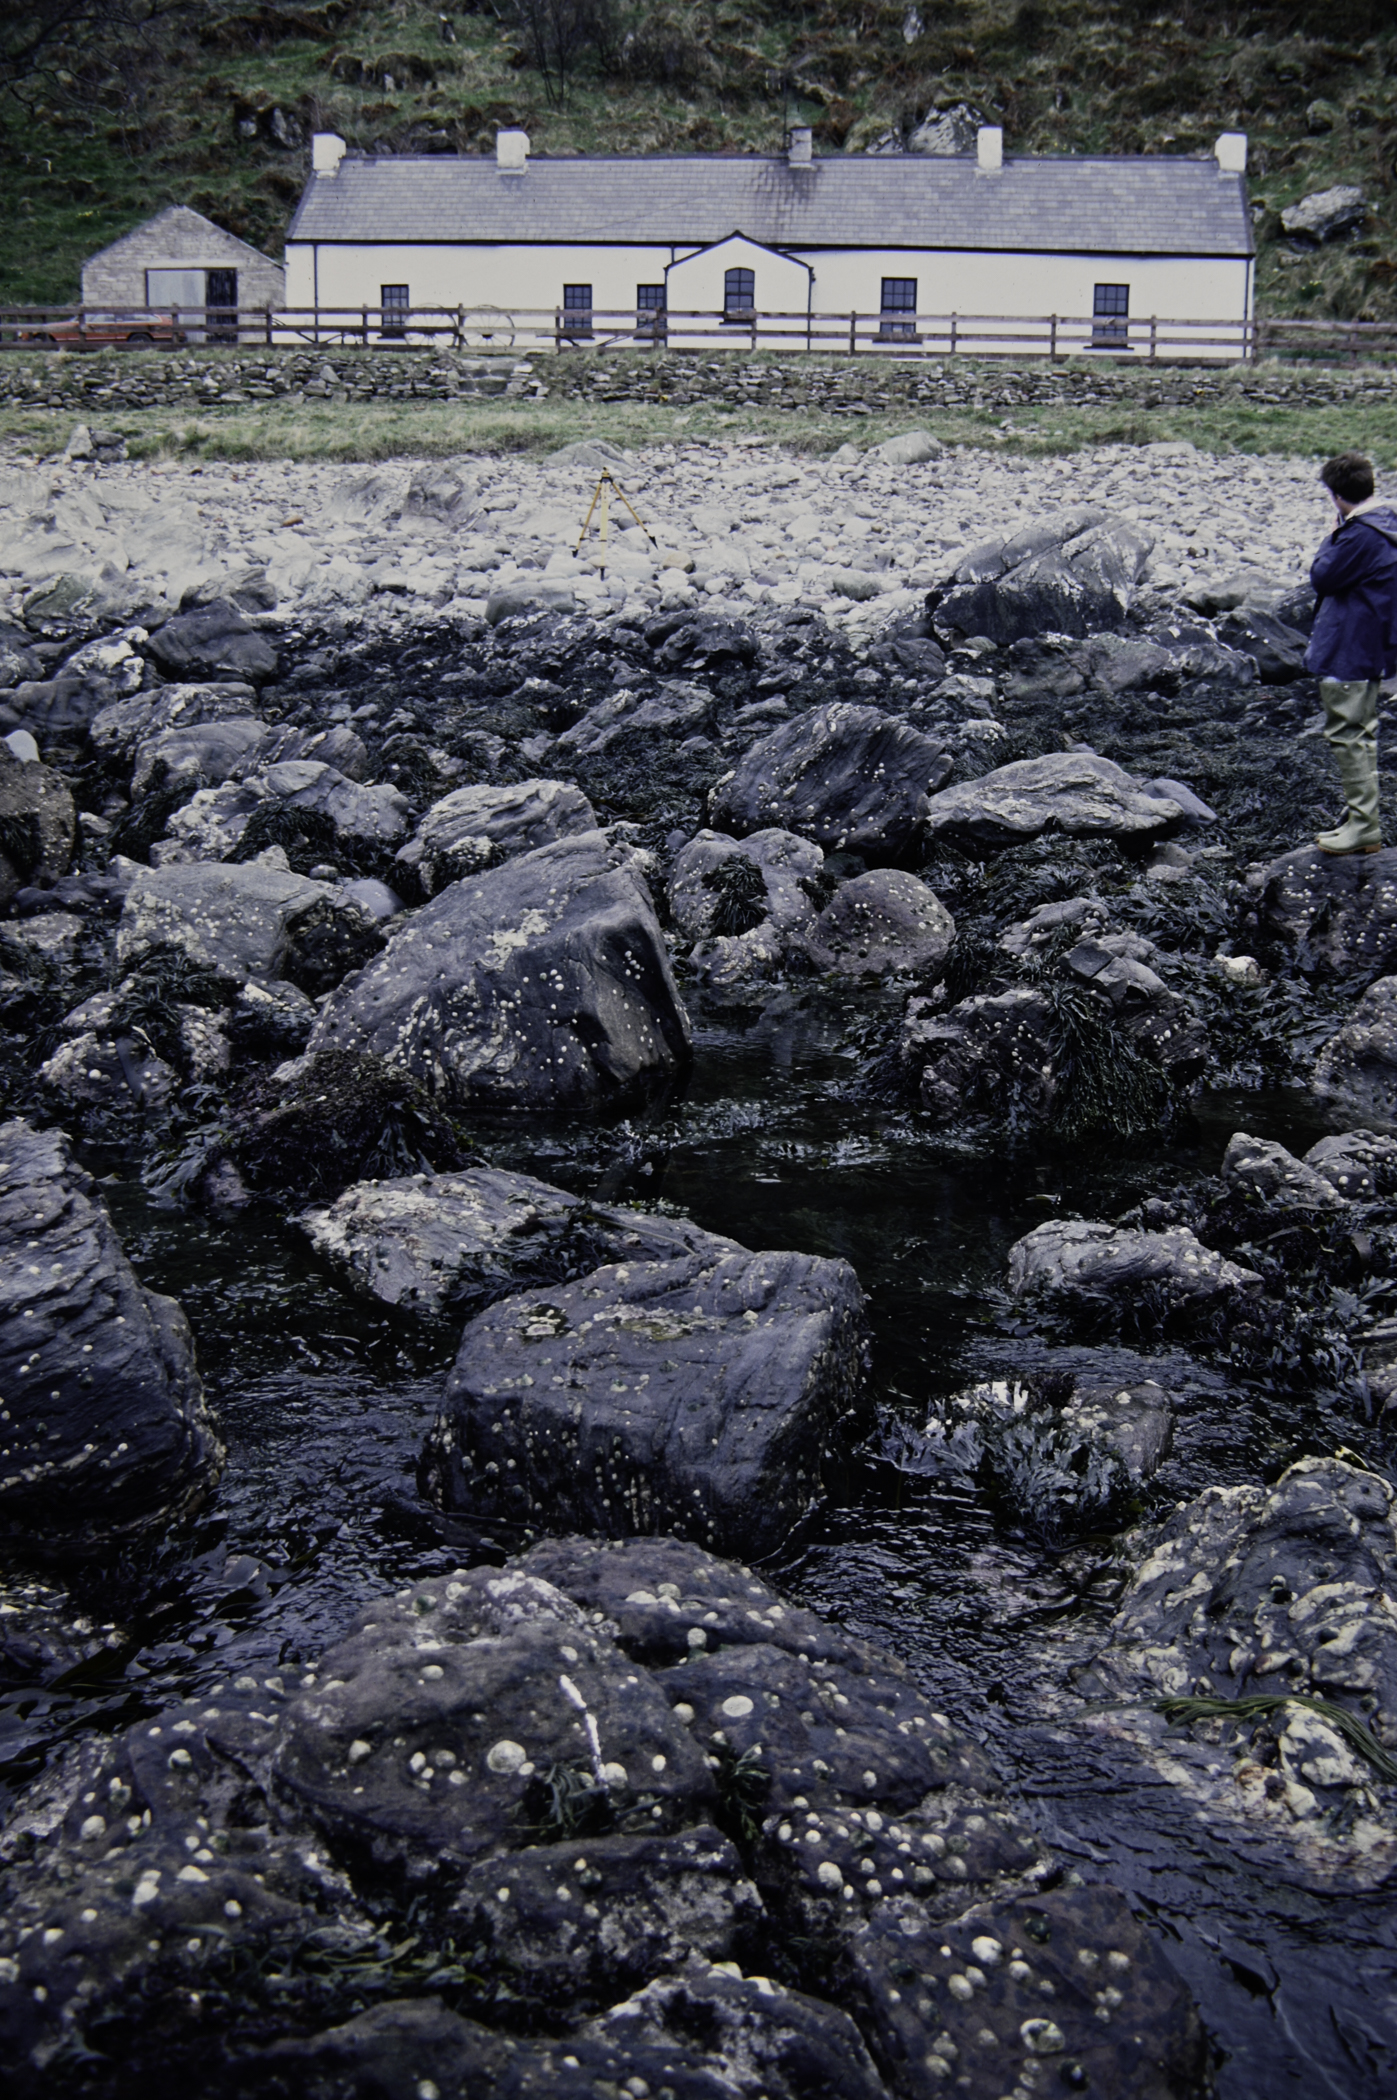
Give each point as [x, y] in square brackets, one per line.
[383, 883]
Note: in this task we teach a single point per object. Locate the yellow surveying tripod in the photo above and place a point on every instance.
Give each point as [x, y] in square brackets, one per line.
[602, 494]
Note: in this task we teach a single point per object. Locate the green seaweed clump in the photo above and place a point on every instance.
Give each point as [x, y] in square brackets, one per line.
[740, 888]
[345, 1119]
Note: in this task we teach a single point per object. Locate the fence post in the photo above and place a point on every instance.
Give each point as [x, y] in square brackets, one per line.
[1154, 337]
[853, 338]
[953, 335]
[1052, 338]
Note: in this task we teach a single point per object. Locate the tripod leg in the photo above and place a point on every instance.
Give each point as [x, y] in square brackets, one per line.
[588, 519]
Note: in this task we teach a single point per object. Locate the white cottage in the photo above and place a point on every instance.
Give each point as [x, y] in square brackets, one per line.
[884, 247]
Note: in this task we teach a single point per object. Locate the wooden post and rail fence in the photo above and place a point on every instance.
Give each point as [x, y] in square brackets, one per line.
[497, 331]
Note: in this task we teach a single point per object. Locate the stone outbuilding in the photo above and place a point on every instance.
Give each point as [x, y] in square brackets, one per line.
[181, 259]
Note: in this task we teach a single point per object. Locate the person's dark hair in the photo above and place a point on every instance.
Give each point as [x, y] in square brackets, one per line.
[1349, 476]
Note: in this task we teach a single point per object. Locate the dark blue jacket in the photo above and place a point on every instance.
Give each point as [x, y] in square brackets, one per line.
[1354, 576]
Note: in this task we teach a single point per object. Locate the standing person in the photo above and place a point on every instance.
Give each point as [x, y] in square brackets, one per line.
[1354, 643]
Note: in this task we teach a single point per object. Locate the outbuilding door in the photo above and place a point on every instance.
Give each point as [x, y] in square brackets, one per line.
[221, 298]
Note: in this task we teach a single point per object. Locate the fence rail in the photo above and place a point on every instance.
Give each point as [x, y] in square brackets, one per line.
[496, 330]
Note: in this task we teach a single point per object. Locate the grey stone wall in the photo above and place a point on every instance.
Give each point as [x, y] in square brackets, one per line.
[103, 383]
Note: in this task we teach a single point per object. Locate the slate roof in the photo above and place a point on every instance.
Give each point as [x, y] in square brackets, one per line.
[1059, 206]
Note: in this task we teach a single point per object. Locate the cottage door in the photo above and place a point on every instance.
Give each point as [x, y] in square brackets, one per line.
[221, 297]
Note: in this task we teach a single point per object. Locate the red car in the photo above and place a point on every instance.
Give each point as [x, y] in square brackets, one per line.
[96, 331]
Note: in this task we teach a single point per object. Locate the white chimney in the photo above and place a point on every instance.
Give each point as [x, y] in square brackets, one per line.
[800, 146]
[989, 149]
[1231, 151]
[512, 152]
[327, 150]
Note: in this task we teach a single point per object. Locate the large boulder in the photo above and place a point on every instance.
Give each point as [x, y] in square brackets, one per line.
[1283, 1595]
[540, 1760]
[1088, 1257]
[1356, 1070]
[106, 1435]
[1070, 574]
[298, 803]
[698, 1395]
[38, 824]
[211, 751]
[118, 730]
[1338, 912]
[1266, 1170]
[1074, 792]
[478, 827]
[427, 1243]
[214, 642]
[746, 904]
[1360, 1164]
[880, 922]
[237, 921]
[1324, 215]
[849, 777]
[542, 983]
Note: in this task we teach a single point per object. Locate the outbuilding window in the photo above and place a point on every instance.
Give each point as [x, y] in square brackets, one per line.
[577, 309]
[393, 299]
[739, 296]
[1110, 311]
[899, 297]
[650, 308]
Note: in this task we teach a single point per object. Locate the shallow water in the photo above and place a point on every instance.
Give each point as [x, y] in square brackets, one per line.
[323, 1405]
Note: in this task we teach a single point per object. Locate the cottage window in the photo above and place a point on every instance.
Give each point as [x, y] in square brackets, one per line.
[577, 309]
[899, 297]
[393, 299]
[739, 297]
[1110, 309]
[650, 307]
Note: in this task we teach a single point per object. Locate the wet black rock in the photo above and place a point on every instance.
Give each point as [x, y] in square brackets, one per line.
[235, 920]
[1088, 1257]
[1284, 1593]
[1282, 1182]
[990, 1053]
[610, 1780]
[851, 778]
[880, 922]
[478, 827]
[105, 1432]
[397, 2050]
[745, 905]
[1338, 913]
[1278, 651]
[306, 807]
[1071, 791]
[541, 983]
[1073, 574]
[700, 1395]
[1358, 1163]
[1356, 1070]
[429, 1242]
[37, 825]
[216, 641]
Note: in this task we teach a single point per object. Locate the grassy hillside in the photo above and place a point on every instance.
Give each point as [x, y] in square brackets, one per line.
[221, 119]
